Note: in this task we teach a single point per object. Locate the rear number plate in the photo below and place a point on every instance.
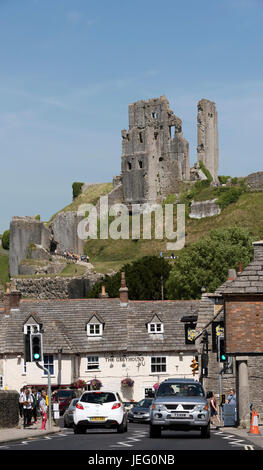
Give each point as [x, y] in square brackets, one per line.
[98, 418]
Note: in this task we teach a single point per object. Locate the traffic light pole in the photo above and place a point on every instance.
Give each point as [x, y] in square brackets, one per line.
[49, 394]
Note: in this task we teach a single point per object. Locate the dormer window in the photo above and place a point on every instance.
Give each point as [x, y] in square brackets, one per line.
[155, 326]
[32, 326]
[95, 326]
[94, 329]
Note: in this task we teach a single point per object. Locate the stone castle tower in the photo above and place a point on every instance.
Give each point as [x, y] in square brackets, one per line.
[207, 136]
[155, 155]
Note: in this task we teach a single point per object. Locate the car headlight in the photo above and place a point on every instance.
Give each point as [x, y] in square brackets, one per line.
[201, 408]
[158, 408]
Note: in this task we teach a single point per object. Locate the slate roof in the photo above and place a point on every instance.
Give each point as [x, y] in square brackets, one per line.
[250, 280]
[125, 329]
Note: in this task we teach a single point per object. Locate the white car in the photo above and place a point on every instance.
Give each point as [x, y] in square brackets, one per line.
[99, 409]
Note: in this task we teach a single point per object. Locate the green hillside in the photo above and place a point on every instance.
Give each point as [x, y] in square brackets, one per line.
[107, 255]
[4, 266]
[245, 213]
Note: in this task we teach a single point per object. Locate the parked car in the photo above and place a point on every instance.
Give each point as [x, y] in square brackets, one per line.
[180, 404]
[99, 409]
[68, 415]
[64, 397]
[140, 412]
[129, 404]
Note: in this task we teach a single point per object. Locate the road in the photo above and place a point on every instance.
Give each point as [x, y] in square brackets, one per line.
[135, 440]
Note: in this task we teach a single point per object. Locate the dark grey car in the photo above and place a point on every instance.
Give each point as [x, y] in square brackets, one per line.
[141, 411]
[68, 415]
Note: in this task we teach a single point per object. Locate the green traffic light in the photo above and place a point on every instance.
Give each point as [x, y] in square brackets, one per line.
[36, 356]
[223, 357]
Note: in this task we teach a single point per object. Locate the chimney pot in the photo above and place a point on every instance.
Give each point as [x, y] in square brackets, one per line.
[103, 293]
[123, 291]
[232, 274]
[11, 299]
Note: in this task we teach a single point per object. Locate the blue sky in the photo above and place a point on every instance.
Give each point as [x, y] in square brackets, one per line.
[69, 69]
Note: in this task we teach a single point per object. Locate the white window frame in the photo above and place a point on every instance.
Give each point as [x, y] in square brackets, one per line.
[49, 363]
[162, 363]
[155, 327]
[93, 363]
[31, 328]
[94, 329]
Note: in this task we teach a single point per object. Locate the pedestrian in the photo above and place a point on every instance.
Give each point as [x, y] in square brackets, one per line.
[214, 410]
[35, 405]
[27, 400]
[43, 409]
[232, 398]
[20, 402]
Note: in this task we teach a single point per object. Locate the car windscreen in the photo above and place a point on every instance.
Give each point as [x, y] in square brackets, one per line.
[145, 403]
[98, 397]
[180, 390]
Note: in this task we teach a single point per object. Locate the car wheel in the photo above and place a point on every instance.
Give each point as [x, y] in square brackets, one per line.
[122, 427]
[205, 431]
[65, 423]
[79, 430]
[155, 431]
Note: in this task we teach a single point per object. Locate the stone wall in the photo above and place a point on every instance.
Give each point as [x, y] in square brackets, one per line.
[56, 287]
[204, 209]
[255, 181]
[9, 409]
[23, 232]
[155, 155]
[207, 136]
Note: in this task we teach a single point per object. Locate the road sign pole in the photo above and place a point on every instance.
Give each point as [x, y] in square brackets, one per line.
[49, 394]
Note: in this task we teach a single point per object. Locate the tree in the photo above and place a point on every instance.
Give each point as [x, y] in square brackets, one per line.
[144, 278]
[5, 240]
[206, 263]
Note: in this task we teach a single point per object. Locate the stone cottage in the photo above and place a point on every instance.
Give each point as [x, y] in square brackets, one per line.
[107, 339]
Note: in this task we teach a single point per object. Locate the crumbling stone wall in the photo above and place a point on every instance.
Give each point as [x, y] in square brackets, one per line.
[56, 287]
[155, 155]
[207, 136]
[9, 409]
[23, 232]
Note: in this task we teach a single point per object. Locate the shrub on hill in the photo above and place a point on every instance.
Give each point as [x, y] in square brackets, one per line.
[144, 278]
[5, 240]
[206, 262]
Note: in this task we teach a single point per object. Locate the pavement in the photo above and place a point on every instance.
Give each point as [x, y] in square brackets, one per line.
[256, 439]
[19, 433]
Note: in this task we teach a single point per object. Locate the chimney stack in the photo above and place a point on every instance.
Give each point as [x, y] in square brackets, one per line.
[12, 299]
[103, 294]
[258, 251]
[123, 291]
[231, 275]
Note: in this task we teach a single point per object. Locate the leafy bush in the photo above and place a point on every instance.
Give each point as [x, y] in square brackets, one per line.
[223, 179]
[144, 278]
[206, 262]
[6, 239]
[76, 187]
[228, 196]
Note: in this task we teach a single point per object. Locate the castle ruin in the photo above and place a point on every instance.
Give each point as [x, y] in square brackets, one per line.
[155, 155]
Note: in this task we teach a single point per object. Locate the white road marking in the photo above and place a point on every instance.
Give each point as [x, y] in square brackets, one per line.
[249, 447]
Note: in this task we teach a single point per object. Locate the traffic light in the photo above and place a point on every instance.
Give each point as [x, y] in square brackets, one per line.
[222, 357]
[194, 366]
[36, 347]
[27, 348]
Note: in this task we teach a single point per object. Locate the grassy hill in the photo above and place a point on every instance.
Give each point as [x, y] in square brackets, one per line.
[107, 255]
[245, 212]
[4, 266]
